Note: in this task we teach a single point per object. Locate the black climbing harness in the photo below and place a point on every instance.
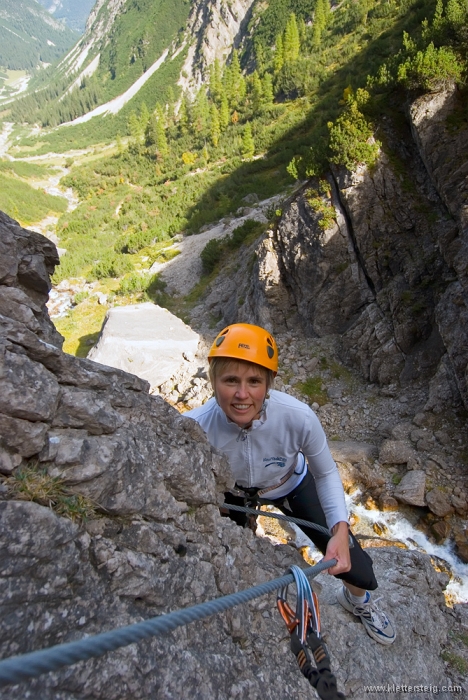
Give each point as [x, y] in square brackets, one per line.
[306, 643]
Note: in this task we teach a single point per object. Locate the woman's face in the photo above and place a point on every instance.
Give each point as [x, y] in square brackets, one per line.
[240, 390]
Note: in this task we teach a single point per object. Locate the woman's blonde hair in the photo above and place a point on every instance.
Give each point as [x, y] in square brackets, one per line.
[220, 364]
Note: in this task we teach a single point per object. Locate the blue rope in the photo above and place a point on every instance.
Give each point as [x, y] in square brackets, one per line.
[303, 595]
[20, 668]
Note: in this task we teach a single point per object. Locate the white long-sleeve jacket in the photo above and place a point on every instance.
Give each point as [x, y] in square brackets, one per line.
[286, 431]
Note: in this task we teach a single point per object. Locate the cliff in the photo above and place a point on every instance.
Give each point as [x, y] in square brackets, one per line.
[80, 438]
[387, 272]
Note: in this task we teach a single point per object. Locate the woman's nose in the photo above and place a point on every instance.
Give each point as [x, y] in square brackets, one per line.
[242, 391]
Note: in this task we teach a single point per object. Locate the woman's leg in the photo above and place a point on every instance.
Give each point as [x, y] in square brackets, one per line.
[239, 518]
[304, 503]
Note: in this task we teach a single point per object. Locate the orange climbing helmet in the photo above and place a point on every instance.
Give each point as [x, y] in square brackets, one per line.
[242, 341]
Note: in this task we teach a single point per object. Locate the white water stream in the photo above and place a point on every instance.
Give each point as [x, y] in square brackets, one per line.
[398, 529]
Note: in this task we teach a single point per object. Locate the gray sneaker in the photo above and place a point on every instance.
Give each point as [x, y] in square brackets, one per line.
[376, 623]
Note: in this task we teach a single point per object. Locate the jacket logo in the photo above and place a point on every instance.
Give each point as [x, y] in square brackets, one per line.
[275, 461]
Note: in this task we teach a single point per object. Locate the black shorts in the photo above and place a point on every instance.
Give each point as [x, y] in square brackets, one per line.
[304, 503]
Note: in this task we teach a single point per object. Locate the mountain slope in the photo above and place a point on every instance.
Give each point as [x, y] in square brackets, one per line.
[29, 36]
[74, 14]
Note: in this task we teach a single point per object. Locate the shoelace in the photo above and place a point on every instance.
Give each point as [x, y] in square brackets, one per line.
[370, 609]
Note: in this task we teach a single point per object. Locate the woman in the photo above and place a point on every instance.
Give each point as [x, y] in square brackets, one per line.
[277, 448]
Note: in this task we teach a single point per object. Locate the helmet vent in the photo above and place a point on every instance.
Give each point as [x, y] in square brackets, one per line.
[270, 352]
[220, 340]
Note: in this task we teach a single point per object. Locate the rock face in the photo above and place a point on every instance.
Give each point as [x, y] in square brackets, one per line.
[387, 269]
[146, 340]
[154, 540]
[212, 29]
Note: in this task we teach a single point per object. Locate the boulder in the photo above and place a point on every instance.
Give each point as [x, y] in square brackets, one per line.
[352, 451]
[387, 502]
[411, 489]
[395, 452]
[440, 530]
[439, 503]
[146, 340]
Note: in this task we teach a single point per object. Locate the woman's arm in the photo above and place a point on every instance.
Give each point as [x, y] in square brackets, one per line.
[323, 467]
[338, 548]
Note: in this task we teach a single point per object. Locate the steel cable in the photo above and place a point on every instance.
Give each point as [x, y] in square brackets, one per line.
[278, 516]
[20, 668]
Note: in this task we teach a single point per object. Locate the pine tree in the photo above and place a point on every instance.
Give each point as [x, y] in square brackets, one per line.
[291, 43]
[248, 144]
[260, 58]
[455, 12]
[267, 87]
[144, 116]
[184, 116]
[170, 103]
[215, 83]
[279, 54]
[301, 26]
[322, 10]
[134, 128]
[215, 128]
[257, 92]
[234, 83]
[150, 133]
[162, 148]
[201, 113]
[224, 113]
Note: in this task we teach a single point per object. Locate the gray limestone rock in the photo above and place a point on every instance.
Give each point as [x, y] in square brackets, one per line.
[26, 261]
[411, 488]
[395, 452]
[439, 502]
[146, 340]
[352, 451]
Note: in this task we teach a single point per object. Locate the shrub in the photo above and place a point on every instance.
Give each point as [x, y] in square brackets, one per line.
[431, 69]
[215, 249]
[112, 265]
[240, 233]
[211, 255]
[79, 297]
[155, 289]
[350, 138]
[133, 283]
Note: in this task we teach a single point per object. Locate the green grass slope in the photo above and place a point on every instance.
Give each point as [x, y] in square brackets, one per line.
[25, 203]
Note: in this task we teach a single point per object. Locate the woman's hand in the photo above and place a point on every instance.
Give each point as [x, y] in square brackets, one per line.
[338, 548]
